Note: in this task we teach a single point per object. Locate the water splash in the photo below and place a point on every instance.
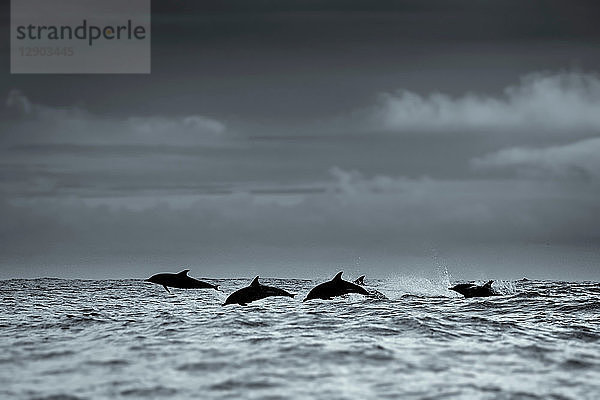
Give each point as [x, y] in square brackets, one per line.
[396, 286]
[504, 287]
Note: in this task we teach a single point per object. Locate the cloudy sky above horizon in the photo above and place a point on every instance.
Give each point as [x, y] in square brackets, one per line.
[300, 138]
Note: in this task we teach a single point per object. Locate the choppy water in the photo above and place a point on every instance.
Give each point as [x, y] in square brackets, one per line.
[77, 339]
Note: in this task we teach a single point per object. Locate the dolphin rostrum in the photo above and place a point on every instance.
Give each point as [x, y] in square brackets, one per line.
[335, 287]
[255, 291]
[472, 290]
[180, 280]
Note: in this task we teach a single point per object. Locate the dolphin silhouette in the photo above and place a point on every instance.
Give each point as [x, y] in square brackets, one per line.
[335, 287]
[472, 290]
[360, 280]
[180, 280]
[255, 291]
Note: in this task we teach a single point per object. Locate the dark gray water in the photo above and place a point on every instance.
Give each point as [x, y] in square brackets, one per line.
[78, 339]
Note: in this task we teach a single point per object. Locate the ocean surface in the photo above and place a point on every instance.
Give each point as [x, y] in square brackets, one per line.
[128, 339]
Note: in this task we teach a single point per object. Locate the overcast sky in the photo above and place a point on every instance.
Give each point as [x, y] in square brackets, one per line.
[298, 138]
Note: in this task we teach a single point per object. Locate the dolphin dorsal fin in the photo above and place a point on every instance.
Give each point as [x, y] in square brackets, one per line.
[184, 272]
[338, 277]
[489, 284]
[255, 282]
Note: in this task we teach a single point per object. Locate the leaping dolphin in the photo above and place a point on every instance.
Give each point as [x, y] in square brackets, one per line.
[335, 287]
[472, 290]
[255, 291]
[180, 280]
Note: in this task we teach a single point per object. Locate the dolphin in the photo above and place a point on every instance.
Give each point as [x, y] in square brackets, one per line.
[335, 287]
[472, 290]
[360, 280]
[180, 280]
[255, 291]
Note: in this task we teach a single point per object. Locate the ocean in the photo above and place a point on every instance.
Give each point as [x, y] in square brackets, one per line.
[128, 339]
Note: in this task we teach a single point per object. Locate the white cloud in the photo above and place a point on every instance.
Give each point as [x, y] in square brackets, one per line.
[38, 124]
[554, 102]
[580, 159]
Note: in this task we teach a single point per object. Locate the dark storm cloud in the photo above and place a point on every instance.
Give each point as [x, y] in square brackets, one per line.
[282, 61]
[83, 186]
[419, 19]
[404, 134]
[285, 133]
